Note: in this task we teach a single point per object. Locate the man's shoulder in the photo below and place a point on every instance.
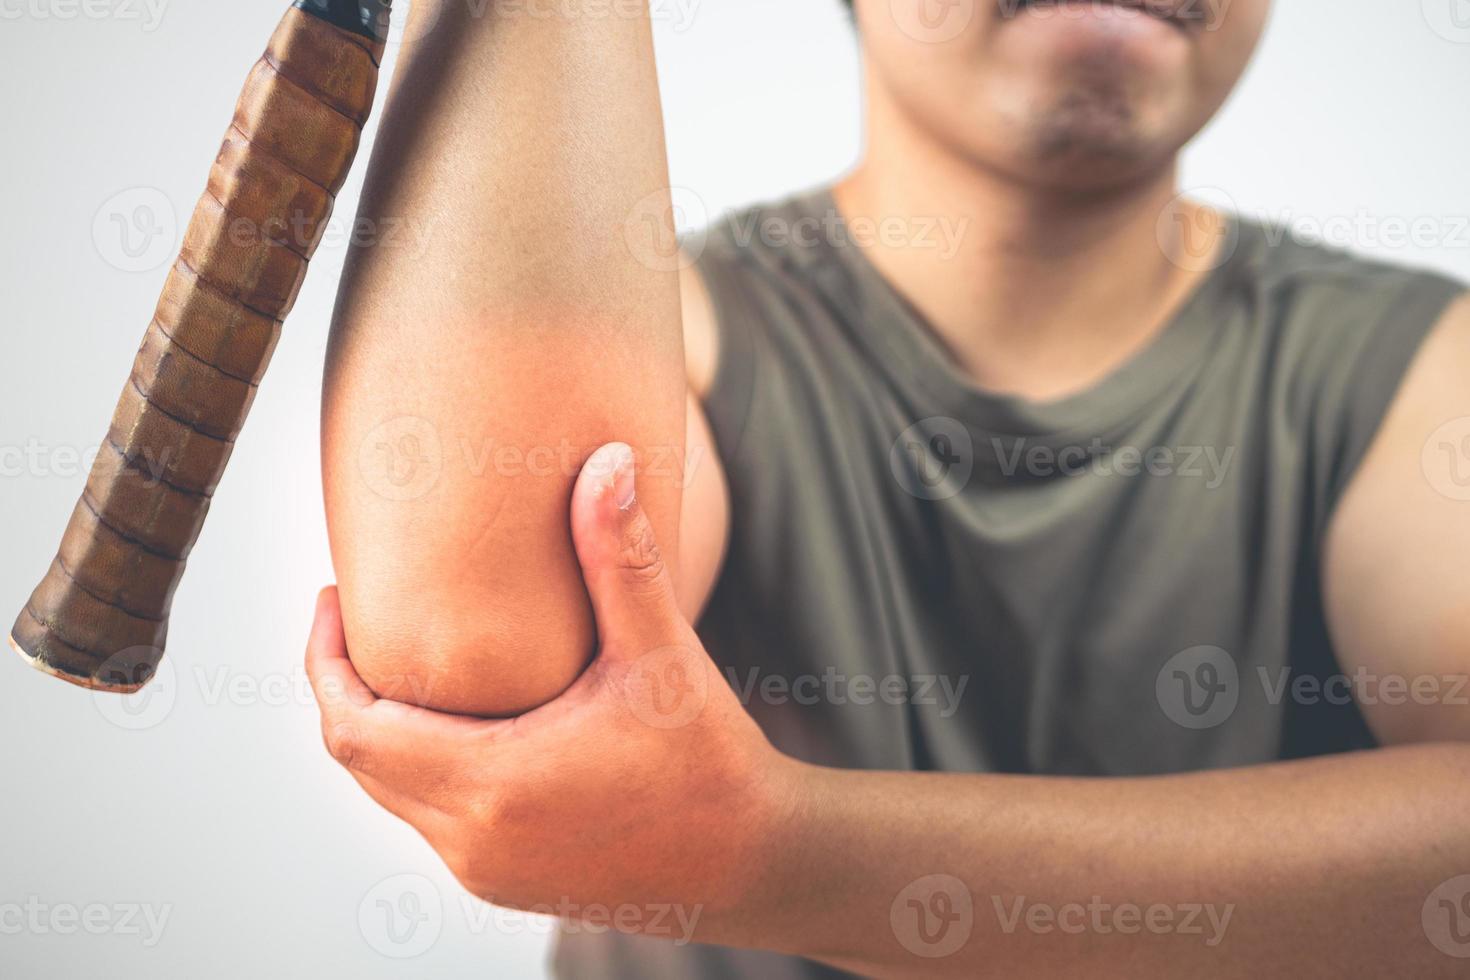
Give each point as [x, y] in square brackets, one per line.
[1328, 314]
[1335, 331]
[784, 235]
[1323, 280]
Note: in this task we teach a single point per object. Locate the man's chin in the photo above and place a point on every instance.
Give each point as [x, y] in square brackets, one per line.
[1083, 147]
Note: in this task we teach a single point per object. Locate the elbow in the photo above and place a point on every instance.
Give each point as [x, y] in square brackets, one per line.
[457, 650]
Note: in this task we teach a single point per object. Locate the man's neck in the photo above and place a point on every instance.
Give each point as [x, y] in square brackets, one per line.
[1036, 293]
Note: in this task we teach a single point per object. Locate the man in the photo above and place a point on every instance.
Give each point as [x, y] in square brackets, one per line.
[1112, 486]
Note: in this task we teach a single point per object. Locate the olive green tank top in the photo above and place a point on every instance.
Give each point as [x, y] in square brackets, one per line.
[924, 575]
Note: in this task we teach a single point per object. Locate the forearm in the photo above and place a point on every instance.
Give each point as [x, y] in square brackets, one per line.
[504, 332]
[1316, 868]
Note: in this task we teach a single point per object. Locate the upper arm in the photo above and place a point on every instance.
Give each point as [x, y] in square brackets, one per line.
[504, 322]
[1397, 554]
[705, 520]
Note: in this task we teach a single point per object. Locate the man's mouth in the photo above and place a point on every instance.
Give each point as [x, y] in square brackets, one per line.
[1186, 15]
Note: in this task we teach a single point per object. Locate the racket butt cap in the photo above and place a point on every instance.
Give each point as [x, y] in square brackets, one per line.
[89, 683]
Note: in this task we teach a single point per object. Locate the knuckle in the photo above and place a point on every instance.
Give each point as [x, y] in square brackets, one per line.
[344, 743]
[474, 867]
[640, 557]
[482, 811]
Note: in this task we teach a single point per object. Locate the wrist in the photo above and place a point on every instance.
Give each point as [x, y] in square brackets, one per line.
[773, 827]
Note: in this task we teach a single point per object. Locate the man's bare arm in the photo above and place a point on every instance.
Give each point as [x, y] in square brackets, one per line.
[515, 311]
[1347, 866]
[1354, 865]
[1397, 569]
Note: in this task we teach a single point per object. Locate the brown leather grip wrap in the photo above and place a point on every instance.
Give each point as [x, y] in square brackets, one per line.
[100, 616]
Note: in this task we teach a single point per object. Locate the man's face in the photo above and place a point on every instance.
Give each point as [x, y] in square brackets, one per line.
[1075, 95]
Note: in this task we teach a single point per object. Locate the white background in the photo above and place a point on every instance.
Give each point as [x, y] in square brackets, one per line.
[222, 805]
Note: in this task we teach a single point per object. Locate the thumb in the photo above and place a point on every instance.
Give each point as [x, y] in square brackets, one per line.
[632, 592]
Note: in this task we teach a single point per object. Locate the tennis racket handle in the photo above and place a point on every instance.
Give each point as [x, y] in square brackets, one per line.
[100, 616]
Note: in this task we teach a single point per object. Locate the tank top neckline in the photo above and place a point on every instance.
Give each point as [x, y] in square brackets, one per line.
[904, 345]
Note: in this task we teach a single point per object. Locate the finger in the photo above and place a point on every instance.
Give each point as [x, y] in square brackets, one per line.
[334, 680]
[632, 592]
[413, 752]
